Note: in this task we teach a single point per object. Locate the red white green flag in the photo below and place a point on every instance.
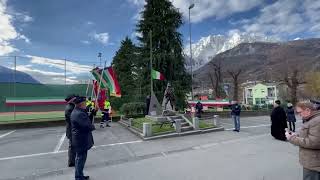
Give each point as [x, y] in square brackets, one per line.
[111, 79]
[157, 75]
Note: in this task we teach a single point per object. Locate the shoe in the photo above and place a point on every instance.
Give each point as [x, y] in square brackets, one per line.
[108, 125]
[235, 130]
[71, 165]
[86, 177]
[101, 126]
[238, 130]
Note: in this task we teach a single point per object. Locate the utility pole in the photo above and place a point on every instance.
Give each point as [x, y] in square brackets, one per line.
[191, 60]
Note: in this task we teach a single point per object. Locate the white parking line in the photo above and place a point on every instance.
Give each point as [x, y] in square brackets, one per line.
[6, 134]
[63, 151]
[58, 146]
[248, 127]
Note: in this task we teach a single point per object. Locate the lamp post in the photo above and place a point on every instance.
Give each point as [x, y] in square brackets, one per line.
[190, 7]
[100, 56]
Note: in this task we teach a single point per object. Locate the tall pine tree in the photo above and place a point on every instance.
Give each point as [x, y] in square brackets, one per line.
[164, 20]
[124, 66]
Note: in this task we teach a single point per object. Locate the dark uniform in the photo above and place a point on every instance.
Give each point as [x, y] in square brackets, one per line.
[82, 139]
[67, 113]
[199, 108]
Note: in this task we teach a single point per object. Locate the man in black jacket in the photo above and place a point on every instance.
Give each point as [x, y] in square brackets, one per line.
[67, 113]
[82, 139]
[235, 114]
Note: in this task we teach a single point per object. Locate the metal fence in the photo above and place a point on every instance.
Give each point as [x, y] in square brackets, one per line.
[34, 87]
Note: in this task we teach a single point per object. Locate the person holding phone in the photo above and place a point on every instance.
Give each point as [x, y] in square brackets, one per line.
[308, 140]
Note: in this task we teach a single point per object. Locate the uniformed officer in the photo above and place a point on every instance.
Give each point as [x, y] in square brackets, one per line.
[67, 113]
[82, 139]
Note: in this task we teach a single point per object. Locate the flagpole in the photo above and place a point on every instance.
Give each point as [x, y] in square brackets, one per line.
[88, 84]
[151, 85]
[105, 63]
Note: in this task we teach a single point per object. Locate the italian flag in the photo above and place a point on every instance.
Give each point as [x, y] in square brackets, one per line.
[157, 75]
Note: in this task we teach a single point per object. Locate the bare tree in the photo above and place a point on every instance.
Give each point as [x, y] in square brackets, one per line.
[216, 77]
[293, 81]
[235, 80]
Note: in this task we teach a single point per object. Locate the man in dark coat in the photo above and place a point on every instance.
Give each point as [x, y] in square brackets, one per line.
[82, 139]
[235, 114]
[278, 122]
[199, 108]
[67, 113]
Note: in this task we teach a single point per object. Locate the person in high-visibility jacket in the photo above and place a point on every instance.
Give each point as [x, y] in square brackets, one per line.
[105, 114]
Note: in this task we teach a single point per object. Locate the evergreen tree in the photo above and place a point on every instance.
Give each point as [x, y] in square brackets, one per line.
[124, 66]
[164, 20]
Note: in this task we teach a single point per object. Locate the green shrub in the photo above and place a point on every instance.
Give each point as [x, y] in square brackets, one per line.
[133, 108]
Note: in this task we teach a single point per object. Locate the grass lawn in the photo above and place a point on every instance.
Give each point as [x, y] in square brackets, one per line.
[138, 123]
[204, 125]
[19, 117]
[38, 116]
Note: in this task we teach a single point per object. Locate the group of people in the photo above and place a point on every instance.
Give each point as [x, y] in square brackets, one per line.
[79, 115]
[308, 138]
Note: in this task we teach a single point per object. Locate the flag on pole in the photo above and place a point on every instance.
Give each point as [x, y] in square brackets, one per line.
[96, 72]
[157, 75]
[108, 80]
[101, 95]
[110, 77]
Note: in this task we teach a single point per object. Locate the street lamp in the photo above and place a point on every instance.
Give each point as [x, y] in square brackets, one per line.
[190, 7]
[99, 56]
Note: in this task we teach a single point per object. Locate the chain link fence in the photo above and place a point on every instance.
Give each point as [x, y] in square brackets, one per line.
[34, 87]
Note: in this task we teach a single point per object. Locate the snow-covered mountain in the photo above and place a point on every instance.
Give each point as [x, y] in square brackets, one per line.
[208, 47]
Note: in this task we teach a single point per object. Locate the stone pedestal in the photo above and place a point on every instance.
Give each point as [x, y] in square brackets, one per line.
[216, 120]
[195, 122]
[147, 129]
[178, 125]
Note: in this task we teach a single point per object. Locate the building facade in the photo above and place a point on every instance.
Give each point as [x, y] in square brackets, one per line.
[260, 94]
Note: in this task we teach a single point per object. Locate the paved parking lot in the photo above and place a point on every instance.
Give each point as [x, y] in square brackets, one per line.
[42, 151]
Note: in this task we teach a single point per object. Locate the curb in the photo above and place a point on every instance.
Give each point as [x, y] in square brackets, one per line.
[169, 135]
[41, 123]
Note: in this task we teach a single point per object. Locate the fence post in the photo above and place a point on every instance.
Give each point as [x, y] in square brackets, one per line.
[14, 86]
[178, 125]
[195, 121]
[147, 129]
[130, 122]
[216, 120]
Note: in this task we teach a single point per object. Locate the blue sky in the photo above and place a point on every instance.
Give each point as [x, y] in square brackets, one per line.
[78, 29]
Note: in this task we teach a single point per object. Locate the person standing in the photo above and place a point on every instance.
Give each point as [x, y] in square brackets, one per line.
[67, 113]
[82, 139]
[199, 108]
[278, 121]
[291, 117]
[308, 140]
[235, 114]
[105, 114]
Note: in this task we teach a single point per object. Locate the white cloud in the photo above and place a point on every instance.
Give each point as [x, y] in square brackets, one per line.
[208, 8]
[72, 67]
[204, 9]
[7, 31]
[27, 40]
[101, 37]
[90, 23]
[26, 18]
[137, 2]
[279, 18]
[85, 42]
[284, 18]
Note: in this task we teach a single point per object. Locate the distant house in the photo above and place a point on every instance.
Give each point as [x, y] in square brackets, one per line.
[260, 93]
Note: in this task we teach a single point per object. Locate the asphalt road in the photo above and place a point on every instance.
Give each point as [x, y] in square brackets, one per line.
[41, 154]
